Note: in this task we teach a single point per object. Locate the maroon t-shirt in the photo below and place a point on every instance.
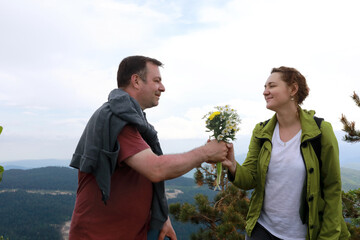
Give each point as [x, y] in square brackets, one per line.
[127, 213]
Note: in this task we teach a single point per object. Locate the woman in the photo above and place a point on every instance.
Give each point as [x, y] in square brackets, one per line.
[293, 197]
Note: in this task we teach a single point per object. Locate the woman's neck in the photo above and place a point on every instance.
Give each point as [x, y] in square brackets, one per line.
[288, 117]
[289, 124]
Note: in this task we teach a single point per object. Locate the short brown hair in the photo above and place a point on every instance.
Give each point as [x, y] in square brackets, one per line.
[290, 76]
[133, 65]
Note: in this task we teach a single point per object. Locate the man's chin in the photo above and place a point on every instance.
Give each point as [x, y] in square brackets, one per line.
[153, 105]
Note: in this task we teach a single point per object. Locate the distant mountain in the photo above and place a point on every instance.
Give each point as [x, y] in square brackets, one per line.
[46, 178]
[350, 179]
[349, 158]
[65, 178]
[35, 163]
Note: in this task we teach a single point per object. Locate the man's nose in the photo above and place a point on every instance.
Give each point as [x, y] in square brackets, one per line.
[162, 87]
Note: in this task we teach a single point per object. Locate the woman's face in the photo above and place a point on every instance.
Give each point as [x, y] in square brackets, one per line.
[277, 93]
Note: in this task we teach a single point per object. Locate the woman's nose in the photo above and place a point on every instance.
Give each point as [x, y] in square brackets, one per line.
[265, 92]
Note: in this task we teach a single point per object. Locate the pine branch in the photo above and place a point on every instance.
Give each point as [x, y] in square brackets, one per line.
[211, 223]
[219, 201]
[207, 172]
[352, 135]
[356, 99]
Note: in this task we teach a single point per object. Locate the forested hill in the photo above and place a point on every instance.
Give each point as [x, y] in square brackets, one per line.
[58, 178]
[46, 178]
[36, 203]
[350, 179]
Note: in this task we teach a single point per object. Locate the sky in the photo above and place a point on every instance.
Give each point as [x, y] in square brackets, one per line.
[59, 59]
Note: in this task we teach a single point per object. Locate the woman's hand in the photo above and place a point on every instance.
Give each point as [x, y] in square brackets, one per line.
[230, 161]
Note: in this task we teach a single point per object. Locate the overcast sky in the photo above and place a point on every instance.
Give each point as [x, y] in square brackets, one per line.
[59, 58]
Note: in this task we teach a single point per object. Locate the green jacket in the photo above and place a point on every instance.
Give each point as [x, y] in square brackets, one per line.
[324, 215]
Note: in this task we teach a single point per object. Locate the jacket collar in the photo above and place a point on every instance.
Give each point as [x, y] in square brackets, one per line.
[308, 125]
[267, 128]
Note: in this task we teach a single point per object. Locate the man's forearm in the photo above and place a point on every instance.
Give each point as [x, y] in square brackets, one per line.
[175, 165]
[159, 168]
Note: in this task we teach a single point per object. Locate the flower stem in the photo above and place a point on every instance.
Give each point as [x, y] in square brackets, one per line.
[218, 177]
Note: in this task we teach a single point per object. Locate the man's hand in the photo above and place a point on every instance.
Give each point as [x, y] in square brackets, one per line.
[167, 231]
[216, 151]
[229, 161]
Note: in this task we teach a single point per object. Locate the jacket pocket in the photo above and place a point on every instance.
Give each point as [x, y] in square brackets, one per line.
[321, 207]
[318, 215]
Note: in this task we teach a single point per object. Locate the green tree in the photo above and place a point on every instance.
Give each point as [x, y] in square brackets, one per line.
[352, 135]
[351, 199]
[351, 210]
[222, 218]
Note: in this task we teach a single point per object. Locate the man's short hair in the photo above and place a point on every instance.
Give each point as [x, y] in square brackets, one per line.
[133, 65]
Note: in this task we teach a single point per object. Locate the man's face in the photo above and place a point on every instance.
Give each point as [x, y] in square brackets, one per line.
[151, 89]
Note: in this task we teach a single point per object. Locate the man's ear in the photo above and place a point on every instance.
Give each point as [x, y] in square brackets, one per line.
[135, 81]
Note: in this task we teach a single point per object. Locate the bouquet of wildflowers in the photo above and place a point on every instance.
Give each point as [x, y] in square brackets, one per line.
[223, 123]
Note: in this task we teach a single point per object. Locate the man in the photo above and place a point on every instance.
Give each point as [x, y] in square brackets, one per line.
[121, 193]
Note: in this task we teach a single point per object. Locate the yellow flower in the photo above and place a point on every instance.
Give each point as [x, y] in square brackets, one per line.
[213, 115]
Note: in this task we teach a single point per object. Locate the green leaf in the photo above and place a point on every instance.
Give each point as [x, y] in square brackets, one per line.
[1, 128]
[1, 172]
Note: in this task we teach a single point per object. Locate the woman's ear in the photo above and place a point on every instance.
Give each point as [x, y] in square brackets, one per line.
[294, 89]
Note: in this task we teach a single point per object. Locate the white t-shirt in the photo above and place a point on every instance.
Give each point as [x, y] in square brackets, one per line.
[283, 187]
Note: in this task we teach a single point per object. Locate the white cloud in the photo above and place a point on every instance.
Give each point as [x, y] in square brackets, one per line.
[233, 59]
[179, 128]
[59, 59]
